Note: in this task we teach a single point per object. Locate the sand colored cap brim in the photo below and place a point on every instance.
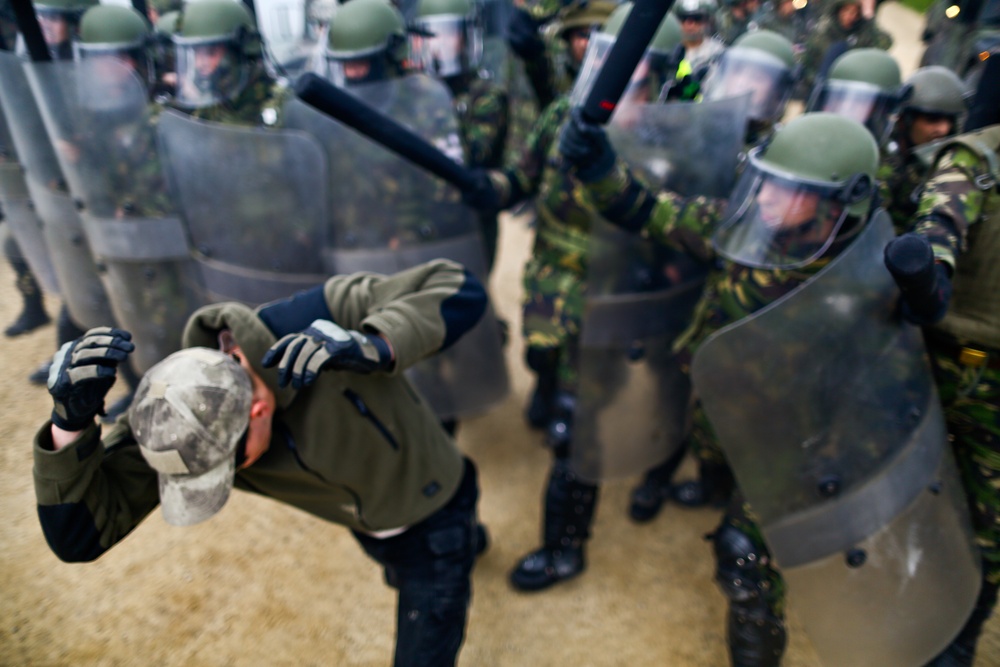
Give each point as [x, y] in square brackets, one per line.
[189, 499]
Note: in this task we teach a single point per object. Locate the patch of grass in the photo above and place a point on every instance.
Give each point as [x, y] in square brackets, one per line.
[918, 5]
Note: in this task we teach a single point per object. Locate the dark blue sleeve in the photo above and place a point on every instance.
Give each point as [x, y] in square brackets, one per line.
[71, 532]
[463, 310]
[295, 313]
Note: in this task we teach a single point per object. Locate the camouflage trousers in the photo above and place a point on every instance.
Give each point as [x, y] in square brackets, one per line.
[971, 399]
[553, 312]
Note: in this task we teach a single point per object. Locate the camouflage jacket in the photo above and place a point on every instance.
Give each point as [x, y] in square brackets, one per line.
[483, 120]
[899, 175]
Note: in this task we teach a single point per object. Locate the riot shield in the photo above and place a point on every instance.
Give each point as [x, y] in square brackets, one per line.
[19, 213]
[253, 201]
[633, 398]
[387, 215]
[496, 63]
[62, 230]
[99, 108]
[825, 406]
[292, 31]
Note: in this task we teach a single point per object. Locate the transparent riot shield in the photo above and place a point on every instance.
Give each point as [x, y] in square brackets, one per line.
[253, 202]
[19, 213]
[388, 215]
[496, 63]
[825, 406]
[62, 230]
[291, 32]
[97, 113]
[633, 397]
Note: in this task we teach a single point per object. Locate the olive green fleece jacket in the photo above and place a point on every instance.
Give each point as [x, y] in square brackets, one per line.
[364, 451]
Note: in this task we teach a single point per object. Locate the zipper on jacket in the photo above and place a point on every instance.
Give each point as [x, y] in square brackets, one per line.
[366, 412]
[293, 448]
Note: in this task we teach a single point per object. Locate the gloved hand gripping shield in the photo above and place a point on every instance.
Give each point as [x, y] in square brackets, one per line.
[777, 219]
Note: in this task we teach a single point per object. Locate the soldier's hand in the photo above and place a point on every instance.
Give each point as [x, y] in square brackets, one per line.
[82, 373]
[585, 147]
[483, 195]
[325, 345]
[523, 37]
[925, 284]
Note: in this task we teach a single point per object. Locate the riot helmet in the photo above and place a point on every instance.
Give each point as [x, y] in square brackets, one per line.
[60, 22]
[657, 68]
[761, 64]
[578, 23]
[116, 33]
[695, 18]
[448, 40]
[216, 44]
[863, 84]
[810, 184]
[366, 43]
[935, 107]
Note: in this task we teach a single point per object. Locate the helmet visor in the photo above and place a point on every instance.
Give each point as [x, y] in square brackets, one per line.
[778, 221]
[130, 57]
[451, 45]
[640, 86]
[208, 72]
[112, 80]
[864, 102]
[741, 71]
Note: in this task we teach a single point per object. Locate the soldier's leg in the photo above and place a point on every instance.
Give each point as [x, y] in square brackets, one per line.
[971, 396]
[431, 566]
[649, 496]
[569, 502]
[33, 313]
[714, 484]
[544, 362]
[66, 331]
[755, 628]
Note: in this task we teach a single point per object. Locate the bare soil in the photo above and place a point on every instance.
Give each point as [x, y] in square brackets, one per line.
[264, 584]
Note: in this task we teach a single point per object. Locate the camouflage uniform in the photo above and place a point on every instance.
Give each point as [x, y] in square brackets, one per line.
[899, 175]
[864, 34]
[794, 26]
[483, 118]
[959, 213]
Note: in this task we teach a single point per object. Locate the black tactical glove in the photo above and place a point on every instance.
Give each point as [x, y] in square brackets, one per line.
[82, 372]
[585, 146]
[925, 284]
[523, 37]
[483, 195]
[301, 356]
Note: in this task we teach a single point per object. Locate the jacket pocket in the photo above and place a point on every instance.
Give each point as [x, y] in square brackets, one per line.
[366, 412]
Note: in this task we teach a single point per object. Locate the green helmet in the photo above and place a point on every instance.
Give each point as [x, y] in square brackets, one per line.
[863, 84]
[760, 64]
[813, 182]
[449, 41]
[118, 31]
[367, 42]
[658, 67]
[216, 44]
[936, 90]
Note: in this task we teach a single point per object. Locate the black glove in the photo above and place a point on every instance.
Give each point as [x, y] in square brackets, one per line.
[585, 146]
[301, 356]
[483, 195]
[82, 372]
[523, 37]
[925, 284]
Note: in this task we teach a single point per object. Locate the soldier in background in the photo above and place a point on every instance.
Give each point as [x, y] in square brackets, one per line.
[700, 44]
[843, 28]
[934, 110]
[448, 51]
[788, 20]
[737, 17]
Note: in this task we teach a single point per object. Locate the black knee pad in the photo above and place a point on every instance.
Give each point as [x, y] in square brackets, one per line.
[738, 564]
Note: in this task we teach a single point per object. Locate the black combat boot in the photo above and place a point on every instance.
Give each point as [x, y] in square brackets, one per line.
[544, 362]
[569, 512]
[713, 487]
[648, 497]
[33, 313]
[756, 637]
[961, 652]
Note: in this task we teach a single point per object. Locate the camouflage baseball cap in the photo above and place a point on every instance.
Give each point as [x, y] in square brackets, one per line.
[189, 414]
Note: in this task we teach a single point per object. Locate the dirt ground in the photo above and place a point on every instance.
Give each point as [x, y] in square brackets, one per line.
[264, 584]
